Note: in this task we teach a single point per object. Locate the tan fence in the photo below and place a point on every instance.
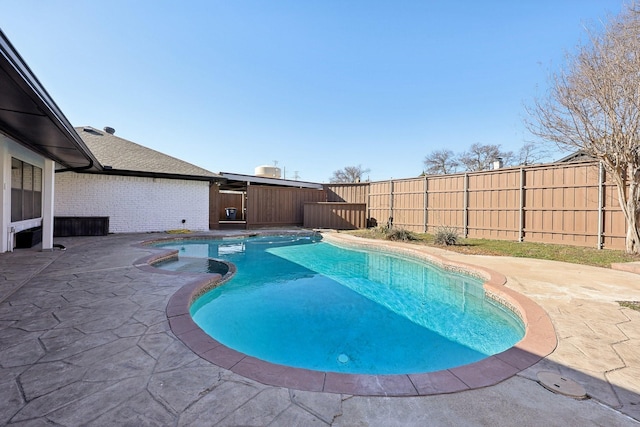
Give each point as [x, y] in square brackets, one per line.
[570, 203]
[352, 193]
[278, 206]
[335, 215]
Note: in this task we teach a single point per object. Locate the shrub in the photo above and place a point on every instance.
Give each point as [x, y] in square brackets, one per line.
[446, 236]
[399, 234]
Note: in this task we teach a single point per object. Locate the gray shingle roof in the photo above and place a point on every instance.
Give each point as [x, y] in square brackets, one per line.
[121, 154]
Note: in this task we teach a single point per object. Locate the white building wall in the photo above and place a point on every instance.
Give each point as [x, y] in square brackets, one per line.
[134, 204]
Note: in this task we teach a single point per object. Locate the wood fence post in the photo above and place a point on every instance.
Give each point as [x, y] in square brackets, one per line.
[390, 199]
[465, 213]
[368, 206]
[600, 204]
[426, 203]
[521, 220]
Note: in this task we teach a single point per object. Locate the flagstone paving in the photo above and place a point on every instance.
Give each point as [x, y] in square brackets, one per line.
[85, 340]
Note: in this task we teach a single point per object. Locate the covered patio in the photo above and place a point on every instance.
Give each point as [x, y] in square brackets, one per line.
[249, 201]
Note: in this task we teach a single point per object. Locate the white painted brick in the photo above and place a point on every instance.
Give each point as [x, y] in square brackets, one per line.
[134, 204]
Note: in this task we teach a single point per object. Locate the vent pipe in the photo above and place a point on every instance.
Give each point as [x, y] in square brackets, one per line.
[109, 130]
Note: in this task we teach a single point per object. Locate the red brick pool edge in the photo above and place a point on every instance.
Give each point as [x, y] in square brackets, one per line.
[539, 340]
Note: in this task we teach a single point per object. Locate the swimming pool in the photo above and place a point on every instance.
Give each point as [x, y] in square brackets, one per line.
[300, 302]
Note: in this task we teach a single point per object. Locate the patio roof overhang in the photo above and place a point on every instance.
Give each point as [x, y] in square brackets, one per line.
[238, 182]
[29, 115]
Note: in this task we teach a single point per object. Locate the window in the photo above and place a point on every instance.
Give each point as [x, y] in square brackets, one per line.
[26, 191]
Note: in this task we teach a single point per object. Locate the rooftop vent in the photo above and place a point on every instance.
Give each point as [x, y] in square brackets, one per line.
[91, 131]
[109, 130]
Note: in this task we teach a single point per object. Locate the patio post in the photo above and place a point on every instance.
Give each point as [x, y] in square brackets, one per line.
[48, 177]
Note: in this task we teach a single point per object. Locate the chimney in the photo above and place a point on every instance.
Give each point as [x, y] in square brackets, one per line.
[497, 163]
[109, 130]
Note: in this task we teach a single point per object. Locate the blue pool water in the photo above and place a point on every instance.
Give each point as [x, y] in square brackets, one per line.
[304, 303]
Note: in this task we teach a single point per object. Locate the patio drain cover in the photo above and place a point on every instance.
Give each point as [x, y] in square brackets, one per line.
[559, 384]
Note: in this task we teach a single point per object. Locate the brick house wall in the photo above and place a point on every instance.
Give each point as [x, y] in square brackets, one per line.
[134, 204]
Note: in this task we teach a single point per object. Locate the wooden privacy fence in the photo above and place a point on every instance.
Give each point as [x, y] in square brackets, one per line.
[335, 215]
[572, 203]
[278, 206]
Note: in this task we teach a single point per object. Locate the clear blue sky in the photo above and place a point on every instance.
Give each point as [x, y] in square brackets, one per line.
[315, 85]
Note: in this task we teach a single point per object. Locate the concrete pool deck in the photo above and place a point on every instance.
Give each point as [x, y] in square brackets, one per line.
[84, 339]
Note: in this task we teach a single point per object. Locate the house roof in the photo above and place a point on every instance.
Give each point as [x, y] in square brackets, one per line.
[123, 157]
[578, 156]
[29, 115]
[238, 182]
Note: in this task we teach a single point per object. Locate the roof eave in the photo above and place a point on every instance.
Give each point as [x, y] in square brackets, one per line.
[270, 181]
[145, 174]
[40, 126]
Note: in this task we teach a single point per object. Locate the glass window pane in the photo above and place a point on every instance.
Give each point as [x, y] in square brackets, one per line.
[37, 192]
[16, 190]
[37, 204]
[16, 173]
[27, 204]
[37, 179]
[16, 205]
[27, 176]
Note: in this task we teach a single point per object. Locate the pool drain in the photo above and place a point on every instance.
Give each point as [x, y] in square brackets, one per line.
[343, 358]
[559, 384]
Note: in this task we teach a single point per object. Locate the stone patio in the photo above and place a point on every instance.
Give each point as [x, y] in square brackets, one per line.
[85, 340]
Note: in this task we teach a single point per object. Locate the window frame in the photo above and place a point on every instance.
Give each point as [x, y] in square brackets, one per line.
[26, 191]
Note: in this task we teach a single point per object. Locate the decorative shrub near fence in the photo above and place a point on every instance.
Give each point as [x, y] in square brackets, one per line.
[569, 203]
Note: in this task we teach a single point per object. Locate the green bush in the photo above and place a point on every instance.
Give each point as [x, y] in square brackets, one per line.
[446, 236]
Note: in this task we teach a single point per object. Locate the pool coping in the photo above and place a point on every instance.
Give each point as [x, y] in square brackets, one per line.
[539, 340]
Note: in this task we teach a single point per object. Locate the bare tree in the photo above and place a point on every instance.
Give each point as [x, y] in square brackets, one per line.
[441, 162]
[480, 157]
[349, 174]
[594, 105]
[531, 153]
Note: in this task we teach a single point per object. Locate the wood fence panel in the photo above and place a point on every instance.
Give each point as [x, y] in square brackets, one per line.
[408, 204]
[279, 206]
[494, 205]
[350, 193]
[614, 223]
[445, 202]
[335, 215]
[561, 204]
[379, 204]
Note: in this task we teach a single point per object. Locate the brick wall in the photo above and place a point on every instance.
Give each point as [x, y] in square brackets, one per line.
[134, 204]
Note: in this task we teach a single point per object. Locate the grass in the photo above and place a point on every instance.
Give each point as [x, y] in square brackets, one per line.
[634, 305]
[572, 254]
